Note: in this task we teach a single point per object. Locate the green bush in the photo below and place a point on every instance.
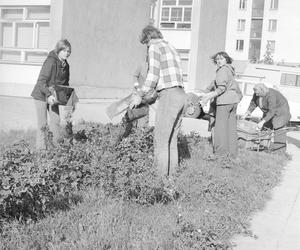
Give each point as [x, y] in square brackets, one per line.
[208, 200]
[95, 156]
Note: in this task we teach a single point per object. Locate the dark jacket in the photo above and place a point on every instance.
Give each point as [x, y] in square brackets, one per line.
[226, 86]
[52, 73]
[274, 106]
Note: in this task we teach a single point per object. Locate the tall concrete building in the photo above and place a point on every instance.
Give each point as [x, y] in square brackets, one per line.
[197, 28]
[104, 36]
[243, 28]
[255, 24]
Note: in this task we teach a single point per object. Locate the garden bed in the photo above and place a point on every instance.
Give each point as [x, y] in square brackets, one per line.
[96, 191]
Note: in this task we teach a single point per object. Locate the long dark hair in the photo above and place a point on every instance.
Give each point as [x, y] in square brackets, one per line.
[224, 54]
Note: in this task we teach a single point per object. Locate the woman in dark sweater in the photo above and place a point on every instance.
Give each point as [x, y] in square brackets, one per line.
[55, 71]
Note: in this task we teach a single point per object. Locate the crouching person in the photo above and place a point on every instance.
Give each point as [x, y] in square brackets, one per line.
[276, 113]
[138, 116]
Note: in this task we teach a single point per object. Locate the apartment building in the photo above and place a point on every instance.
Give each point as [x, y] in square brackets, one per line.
[104, 36]
[174, 19]
[255, 24]
[24, 43]
[191, 25]
[251, 26]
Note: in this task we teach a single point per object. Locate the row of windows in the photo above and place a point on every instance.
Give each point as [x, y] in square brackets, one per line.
[24, 34]
[290, 80]
[176, 14]
[272, 27]
[240, 45]
[273, 4]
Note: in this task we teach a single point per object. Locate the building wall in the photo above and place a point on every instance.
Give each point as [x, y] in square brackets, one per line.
[208, 37]
[180, 39]
[287, 36]
[105, 44]
[18, 79]
[232, 34]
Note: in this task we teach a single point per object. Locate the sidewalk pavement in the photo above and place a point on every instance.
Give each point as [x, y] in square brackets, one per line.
[277, 227]
[19, 113]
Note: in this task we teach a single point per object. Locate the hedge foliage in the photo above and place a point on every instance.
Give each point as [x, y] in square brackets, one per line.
[209, 198]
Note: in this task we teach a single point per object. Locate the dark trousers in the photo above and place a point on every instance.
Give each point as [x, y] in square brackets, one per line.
[225, 139]
[280, 134]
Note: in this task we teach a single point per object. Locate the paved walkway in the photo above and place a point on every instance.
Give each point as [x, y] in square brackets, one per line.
[277, 226]
[19, 113]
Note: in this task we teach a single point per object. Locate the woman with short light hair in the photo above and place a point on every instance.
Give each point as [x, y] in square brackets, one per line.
[276, 113]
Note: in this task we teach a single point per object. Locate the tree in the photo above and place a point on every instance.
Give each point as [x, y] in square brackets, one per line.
[268, 56]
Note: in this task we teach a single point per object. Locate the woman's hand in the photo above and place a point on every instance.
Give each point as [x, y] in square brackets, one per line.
[135, 100]
[207, 97]
[244, 116]
[260, 125]
[204, 100]
[51, 100]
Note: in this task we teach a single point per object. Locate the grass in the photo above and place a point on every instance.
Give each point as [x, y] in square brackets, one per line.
[217, 198]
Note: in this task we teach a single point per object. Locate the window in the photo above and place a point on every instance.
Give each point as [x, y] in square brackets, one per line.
[274, 5]
[256, 28]
[272, 25]
[258, 8]
[239, 45]
[241, 25]
[243, 4]
[176, 14]
[184, 56]
[24, 34]
[290, 80]
[271, 45]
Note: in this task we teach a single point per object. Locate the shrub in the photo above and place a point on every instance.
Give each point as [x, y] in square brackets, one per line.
[208, 200]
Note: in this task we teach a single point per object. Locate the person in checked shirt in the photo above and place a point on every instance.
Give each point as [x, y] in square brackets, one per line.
[165, 77]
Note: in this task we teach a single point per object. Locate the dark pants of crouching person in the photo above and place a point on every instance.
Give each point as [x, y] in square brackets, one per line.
[280, 134]
[225, 141]
[135, 117]
[167, 125]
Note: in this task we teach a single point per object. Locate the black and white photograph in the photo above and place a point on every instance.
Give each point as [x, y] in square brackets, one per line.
[150, 124]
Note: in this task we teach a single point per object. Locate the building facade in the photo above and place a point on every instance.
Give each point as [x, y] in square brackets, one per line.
[197, 28]
[105, 42]
[24, 43]
[254, 25]
[251, 26]
[104, 36]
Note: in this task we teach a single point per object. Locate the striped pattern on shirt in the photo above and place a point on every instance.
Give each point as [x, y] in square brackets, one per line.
[165, 69]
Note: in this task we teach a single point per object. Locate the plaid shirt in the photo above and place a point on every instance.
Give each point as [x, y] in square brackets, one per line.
[164, 66]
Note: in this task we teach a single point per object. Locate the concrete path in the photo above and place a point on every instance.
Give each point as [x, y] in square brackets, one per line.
[277, 227]
[19, 113]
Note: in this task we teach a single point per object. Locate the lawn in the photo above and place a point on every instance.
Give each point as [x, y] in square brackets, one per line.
[96, 191]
